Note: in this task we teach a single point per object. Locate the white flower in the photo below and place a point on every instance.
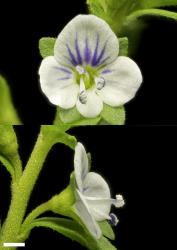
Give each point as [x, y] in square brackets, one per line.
[93, 199]
[86, 71]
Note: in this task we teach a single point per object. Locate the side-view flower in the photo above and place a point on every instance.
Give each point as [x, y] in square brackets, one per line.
[86, 70]
[93, 198]
[81, 212]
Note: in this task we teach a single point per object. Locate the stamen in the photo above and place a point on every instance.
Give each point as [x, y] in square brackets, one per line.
[119, 202]
[80, 70]
[100, 83]
[83, 93]
[83, 97]
[113, 220]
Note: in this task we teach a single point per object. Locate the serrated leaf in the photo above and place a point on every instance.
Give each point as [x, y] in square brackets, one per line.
[114, 116]
[152, 12]
[8, 114]
[46, 46]
[158, 3]
[123, 46]
[107, 230]
[9, 150]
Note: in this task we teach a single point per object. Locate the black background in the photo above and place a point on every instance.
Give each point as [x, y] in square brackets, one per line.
[22, 25]
[137, 162]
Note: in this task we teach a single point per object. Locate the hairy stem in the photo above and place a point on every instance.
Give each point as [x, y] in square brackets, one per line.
[35, 213]
[22, 190]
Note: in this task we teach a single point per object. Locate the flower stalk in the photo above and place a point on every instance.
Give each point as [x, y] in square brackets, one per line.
[23, 188]
[22, 191]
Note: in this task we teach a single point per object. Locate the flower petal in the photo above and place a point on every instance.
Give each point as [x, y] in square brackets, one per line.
[80, 165]
[93, 106]
[57, 83]
[122, 80]
[86, 216]
[86, 39]
[98, 212]
[97, 194]
[95, 186]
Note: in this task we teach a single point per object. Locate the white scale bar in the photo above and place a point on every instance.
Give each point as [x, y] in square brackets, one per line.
[14, 244]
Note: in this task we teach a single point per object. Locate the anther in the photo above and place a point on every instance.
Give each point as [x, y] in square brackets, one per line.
[83, 97]
[83, 93]
[100, 83]
[113, 220]
[119, 202]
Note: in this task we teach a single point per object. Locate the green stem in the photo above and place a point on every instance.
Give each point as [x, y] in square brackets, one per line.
[22, 190]
[35, 213]
[18, 168]
[150, 12]
[59, 204]
[49, 135]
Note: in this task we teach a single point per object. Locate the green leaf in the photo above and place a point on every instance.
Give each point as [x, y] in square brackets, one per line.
[107, 230]
[66, 227]
[88, 122]
[105, 244]
[70, 229]
[72, 118]
[114, 116]
[151, 12]
[8, 114]
[123, 43]
[97, 7]
[158, 3]
[9, 151]
[58, 122]
[46, 46]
